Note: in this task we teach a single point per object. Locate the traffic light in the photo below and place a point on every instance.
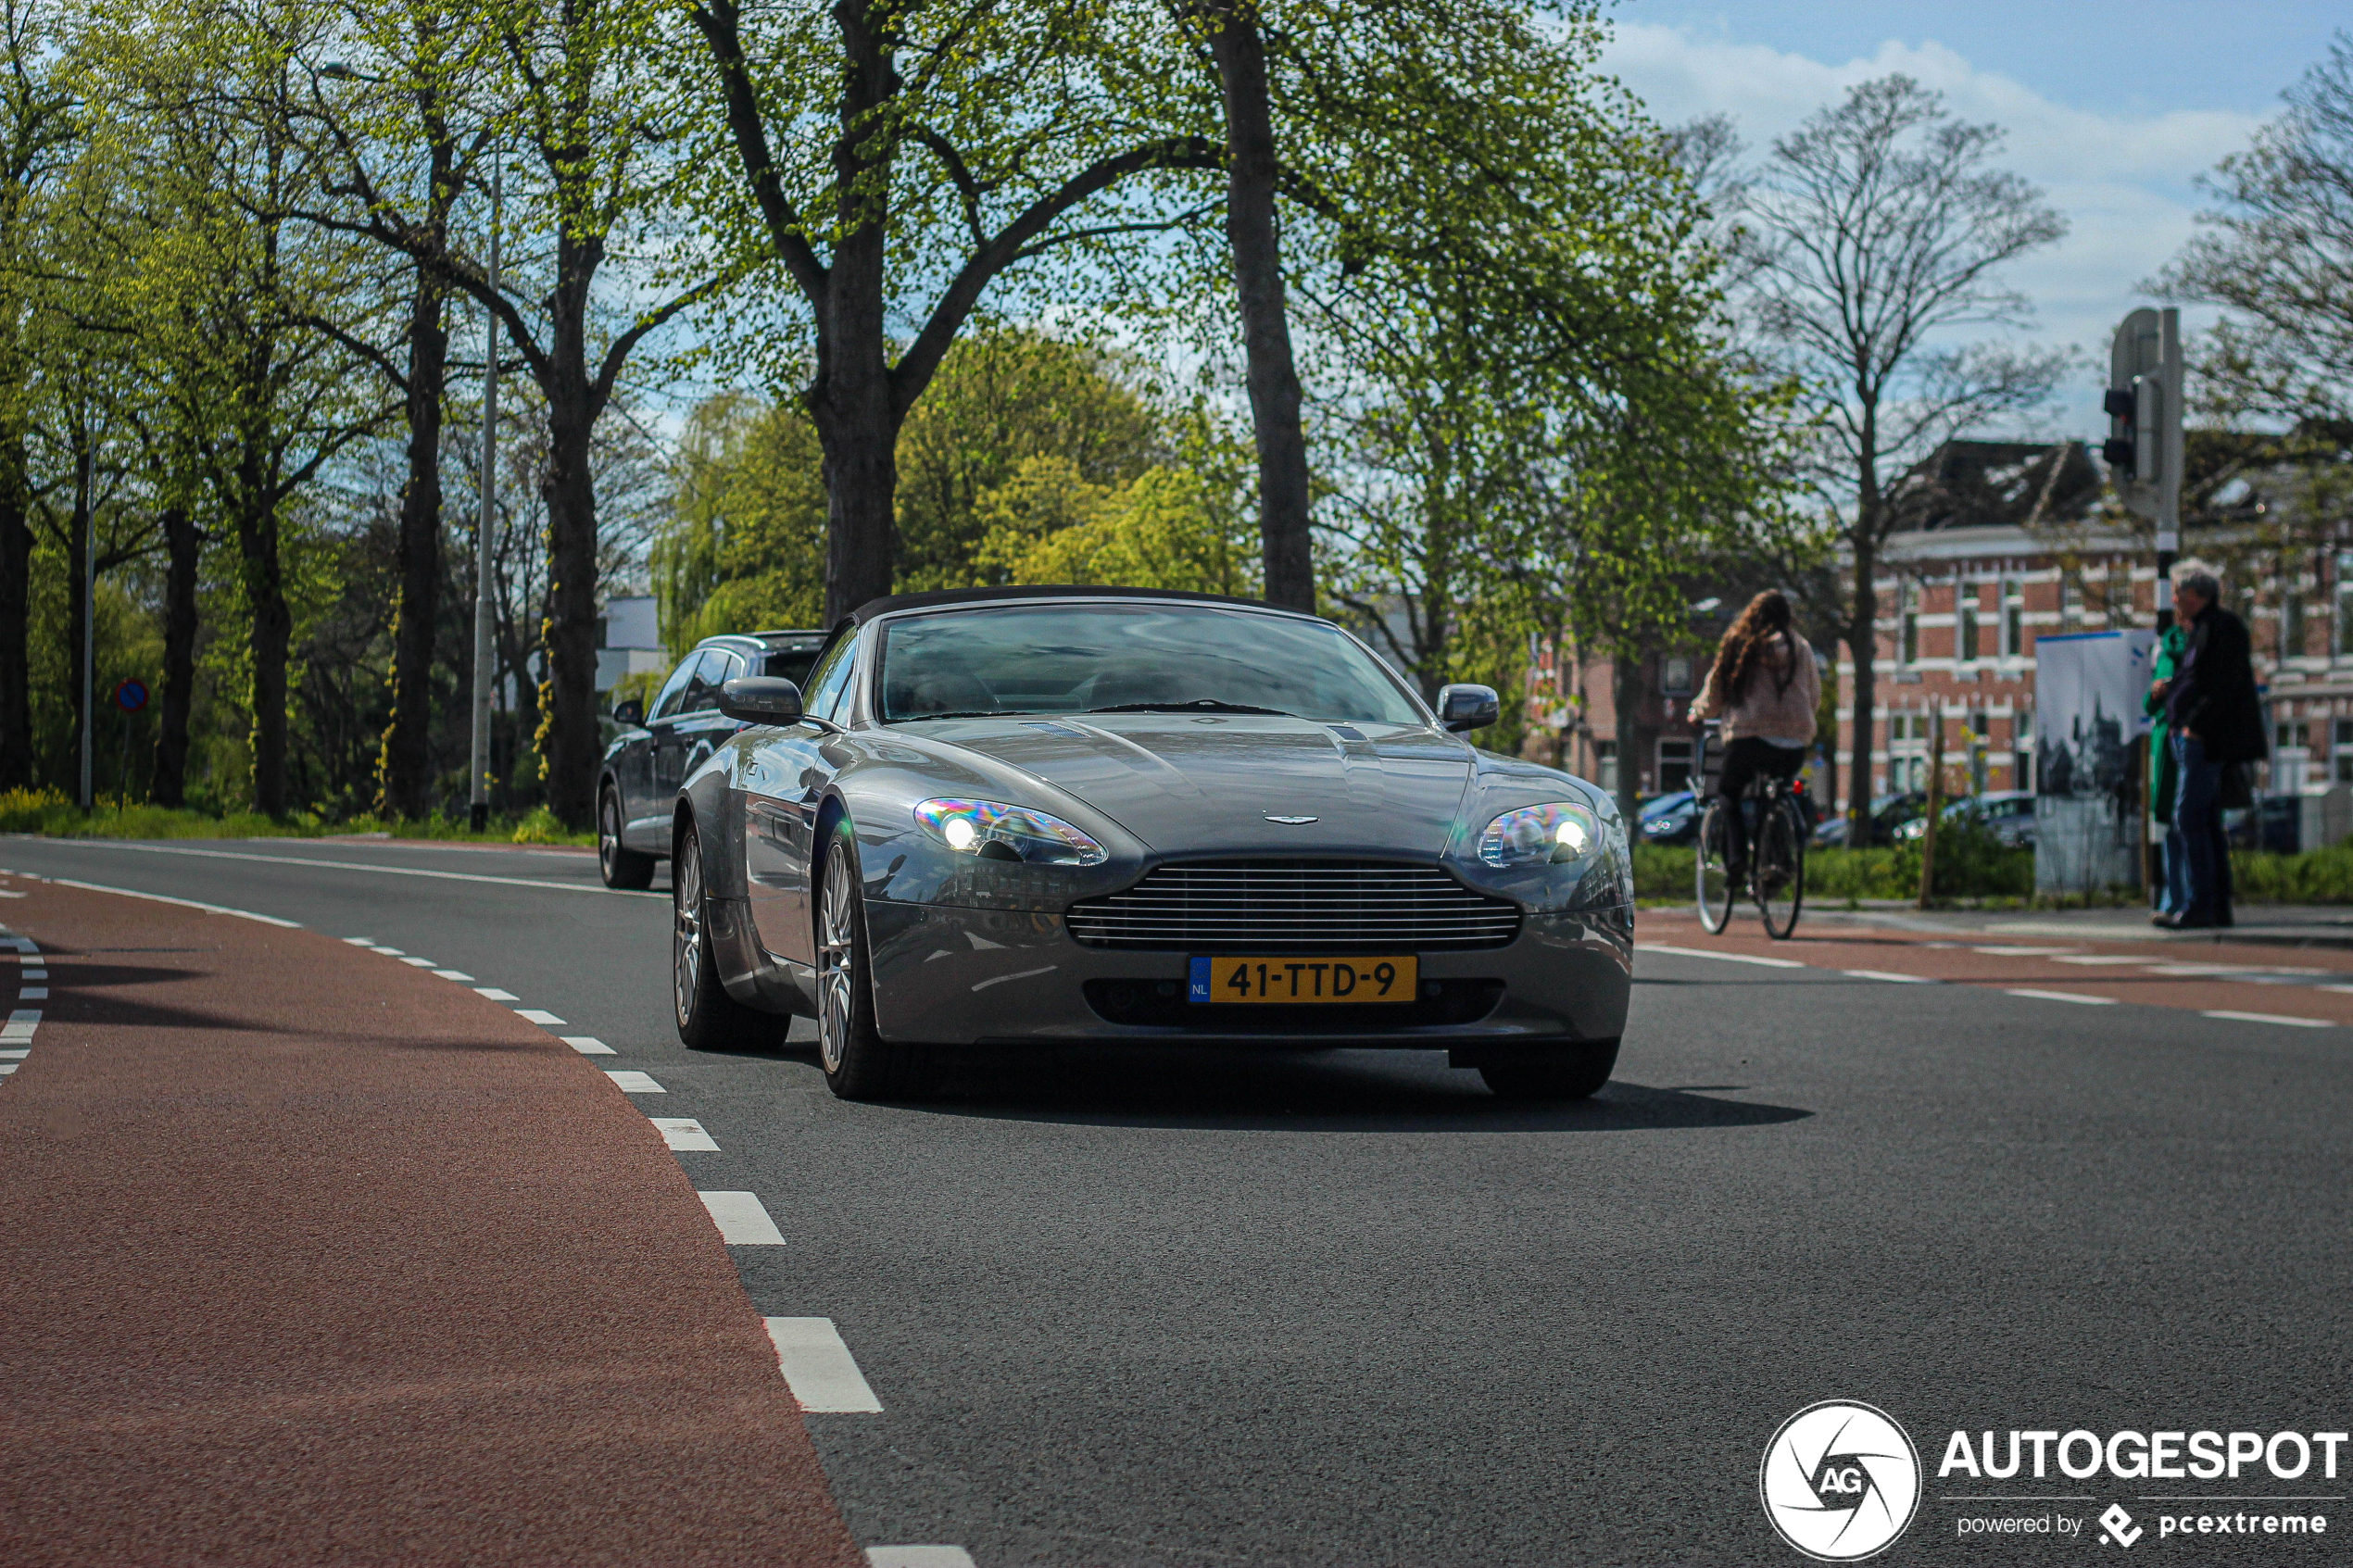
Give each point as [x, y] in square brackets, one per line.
[2143, 408]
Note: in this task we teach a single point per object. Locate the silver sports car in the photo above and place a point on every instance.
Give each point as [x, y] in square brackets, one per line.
[1053, 815]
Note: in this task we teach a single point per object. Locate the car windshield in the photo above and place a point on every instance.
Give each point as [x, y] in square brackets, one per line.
[1133, 658]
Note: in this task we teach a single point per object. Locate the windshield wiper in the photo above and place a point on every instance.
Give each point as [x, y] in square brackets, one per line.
[966, 713]
[1198, 705]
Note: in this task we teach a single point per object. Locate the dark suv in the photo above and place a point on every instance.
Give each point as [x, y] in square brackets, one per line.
[654, 752]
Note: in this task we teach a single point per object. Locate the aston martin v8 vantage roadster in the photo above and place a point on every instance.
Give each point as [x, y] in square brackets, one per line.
[998, 817]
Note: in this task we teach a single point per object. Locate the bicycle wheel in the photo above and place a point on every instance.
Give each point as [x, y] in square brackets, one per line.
[1713, 878]
[1781, 868]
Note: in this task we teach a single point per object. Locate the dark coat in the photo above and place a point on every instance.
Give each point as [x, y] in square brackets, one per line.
[2216, 699]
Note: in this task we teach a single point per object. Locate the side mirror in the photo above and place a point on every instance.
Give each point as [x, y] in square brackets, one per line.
[760, 699]
[631, 712]
[1468, 708]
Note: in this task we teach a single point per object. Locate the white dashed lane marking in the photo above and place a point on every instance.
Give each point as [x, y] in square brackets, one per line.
[419, 963]
[819, 1369]
[388, 952]
[21, 1022]
[538, 1015]
[588, 1044]
[1728, 957]
[1888, 975]
[2270, 1018]
[457, 975]
[2064, 997]
[636, 1083]
[685, 1136]
[33, 993]
[742, 1218]
[362, 941]
[918, 1557]
[496, 995]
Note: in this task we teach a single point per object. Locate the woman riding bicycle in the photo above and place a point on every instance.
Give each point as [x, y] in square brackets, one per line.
[1765, 684]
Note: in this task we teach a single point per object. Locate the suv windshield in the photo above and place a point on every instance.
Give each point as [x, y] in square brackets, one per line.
[1131, 658]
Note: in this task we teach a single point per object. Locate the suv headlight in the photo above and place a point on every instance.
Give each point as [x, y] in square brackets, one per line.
[1558, 832]
[995, 831]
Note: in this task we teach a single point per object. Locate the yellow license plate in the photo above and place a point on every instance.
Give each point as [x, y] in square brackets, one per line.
[1289, 981]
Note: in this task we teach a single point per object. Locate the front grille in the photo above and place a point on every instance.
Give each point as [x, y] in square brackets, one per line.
[1296, 907]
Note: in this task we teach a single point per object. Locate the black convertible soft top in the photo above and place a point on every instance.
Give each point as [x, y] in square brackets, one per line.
[895, 602]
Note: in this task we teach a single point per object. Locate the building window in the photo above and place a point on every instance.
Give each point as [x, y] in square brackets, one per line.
[2343, 750]
[1675, 674]
[2291, 622]
[1908, 645]
[2345, 605]
[2119, 595]
[1605, 765]
[1674, 765]
[2022, 749]
[1964, 608]
[2070, 600]
[2289, 735]
[2013, 618]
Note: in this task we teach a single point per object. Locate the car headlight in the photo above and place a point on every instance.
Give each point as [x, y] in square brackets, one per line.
[998, 831]
[1558, 832]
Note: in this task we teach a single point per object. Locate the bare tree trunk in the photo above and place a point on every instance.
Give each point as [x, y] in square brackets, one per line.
[405, 768]
[1251, 234]
[17, 770]
[569, 737]
[1626, 687]
[1862, 644]
[78, 610]
[272, 637]
[183, 546]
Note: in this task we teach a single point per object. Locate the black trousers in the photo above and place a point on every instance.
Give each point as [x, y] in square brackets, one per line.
[1747, 760]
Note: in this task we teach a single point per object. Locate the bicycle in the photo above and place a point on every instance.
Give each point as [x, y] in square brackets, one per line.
[1777, 832]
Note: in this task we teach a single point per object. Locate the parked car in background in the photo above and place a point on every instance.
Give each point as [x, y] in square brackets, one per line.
[657, 749]
[2007, 814]
[2273, 822]
[1889, 813]
[1670, 819]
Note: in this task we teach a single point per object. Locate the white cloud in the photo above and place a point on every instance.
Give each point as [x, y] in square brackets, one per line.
[2123, 182]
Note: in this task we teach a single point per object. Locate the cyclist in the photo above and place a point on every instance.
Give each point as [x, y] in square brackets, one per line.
[1766, 687]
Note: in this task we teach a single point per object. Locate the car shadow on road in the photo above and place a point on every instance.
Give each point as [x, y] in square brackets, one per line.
[1337, 1091]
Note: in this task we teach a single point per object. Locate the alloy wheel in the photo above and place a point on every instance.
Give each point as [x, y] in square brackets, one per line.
[836, 962]
[607, 838]
[685, 943]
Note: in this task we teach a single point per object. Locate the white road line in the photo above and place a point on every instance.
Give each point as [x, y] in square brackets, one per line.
[819, 1369]
[329, 865]
[362, 941]
[685, 1136]
[16, 1055]
[388, 952]
[159, 898]
[742, 1220]
[2066, 996]
[21, 1023]
[588, 1044]
[2096, 959]
[32, 973]
[1889, 974]
[2270, 1018]
[33, 993]
[496, 995]
[918, 1557]
[540, 1016]
[634, 1082]
[2024, 952]
[419, 963]
[455, 975]
[1705, 953]
[9, 1067]
[2340, 990]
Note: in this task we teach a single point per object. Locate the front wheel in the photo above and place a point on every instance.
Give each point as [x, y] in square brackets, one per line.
[1573, 1072]
[621, 866]
[1712, 868]
[1780, 868]
[858, 1062]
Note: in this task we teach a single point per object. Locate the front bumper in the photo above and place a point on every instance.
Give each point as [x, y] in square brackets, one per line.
[951, 975]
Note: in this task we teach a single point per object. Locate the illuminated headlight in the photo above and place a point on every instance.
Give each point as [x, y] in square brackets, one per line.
[1558, 832]
[996, 832]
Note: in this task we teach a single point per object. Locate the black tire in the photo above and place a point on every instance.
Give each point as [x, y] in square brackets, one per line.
[1780, 868]
[620, 866]
[709, 1019]
[1713, 879]
[858, 1062]
[1574, 1073]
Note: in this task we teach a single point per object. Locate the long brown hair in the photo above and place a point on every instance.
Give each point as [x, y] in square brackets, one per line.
[1765, 619]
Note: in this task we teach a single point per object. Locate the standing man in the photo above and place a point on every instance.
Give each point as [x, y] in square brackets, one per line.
[2171, 893]
[2217, 722]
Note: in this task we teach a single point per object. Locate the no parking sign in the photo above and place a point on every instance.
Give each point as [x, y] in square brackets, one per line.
[131, 695]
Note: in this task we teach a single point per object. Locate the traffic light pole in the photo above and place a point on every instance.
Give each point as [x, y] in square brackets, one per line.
[2169, 479]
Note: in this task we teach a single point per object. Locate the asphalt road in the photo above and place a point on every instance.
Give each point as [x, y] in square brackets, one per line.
[1348, 1309]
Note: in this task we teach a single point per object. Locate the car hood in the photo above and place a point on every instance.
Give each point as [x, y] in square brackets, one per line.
[1201, 781]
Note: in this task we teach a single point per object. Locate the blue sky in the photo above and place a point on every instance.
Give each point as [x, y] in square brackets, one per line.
[2113, 109]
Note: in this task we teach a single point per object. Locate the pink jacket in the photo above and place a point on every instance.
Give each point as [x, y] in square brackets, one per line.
[1767, 711]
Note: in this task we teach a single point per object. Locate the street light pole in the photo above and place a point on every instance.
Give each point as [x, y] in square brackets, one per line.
[478, 811]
